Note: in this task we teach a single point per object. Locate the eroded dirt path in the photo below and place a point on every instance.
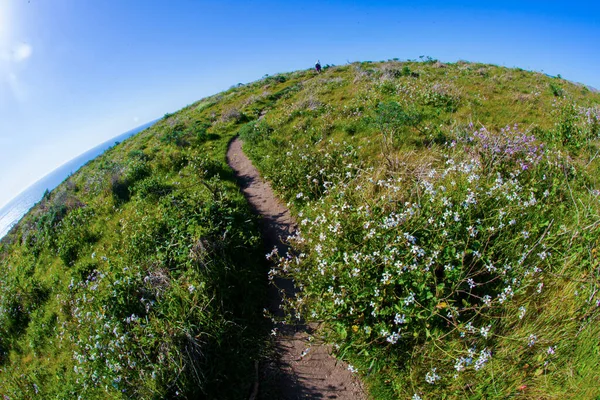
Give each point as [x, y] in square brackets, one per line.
[304, 370]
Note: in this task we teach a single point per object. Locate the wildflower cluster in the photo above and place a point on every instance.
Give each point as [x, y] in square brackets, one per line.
[575, 125]
[439, 95]
[138, 331]
[507, 148]
[397, 260]
[141, 295]
[304, 174]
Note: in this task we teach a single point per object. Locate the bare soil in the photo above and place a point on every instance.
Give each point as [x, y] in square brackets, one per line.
[302, 369]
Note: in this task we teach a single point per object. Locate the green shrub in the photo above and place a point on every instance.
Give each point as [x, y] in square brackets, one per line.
[41, 329]
[175, 135]
[575, 126]
[396, 123]
[233, 115]
[74, 234]
[428, 60]
[208, 168]
[255, 131]
[119, 187]
[392, 118]
[151, 188]
[556, 90]
[306, 174]
[137, 170]
[284, 93]
[137, 155]
[279, 78]
[200, 128]
[442, 96]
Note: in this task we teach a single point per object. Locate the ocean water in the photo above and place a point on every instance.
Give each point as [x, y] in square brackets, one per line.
[12, 212]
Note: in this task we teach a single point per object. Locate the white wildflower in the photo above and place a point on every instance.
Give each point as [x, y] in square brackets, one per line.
[431, 377]
[393, 338]
[485, 331]
[484, 356]
[398, 320]
[531, 340]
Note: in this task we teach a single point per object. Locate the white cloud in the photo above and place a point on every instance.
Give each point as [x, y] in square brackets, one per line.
[16, 87]
[16, 54]
[22, 52]
[11, 87]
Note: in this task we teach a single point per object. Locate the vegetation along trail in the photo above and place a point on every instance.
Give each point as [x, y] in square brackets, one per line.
[305, 369]
[446, 247]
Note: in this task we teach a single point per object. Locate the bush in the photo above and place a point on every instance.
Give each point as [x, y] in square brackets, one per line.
[233, 115]
[392, 118]
[176, 135]
[575, 126]
[137, 170]
[200, 128]
[119, 188]
[406, 71]
[151, 188]
[74, 234]
[395, 73]
[556, 90]
[306, 174]
[122, 180]
[443, 96]
[279, 78]
[255, 131]
[396, 123]
[208, 168]
[137, 155]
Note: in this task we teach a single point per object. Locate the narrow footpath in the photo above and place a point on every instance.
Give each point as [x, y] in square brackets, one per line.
[304, 370]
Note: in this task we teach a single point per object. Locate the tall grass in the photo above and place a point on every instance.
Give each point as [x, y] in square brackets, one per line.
[448, 252]
[447, 259]
[139, 277]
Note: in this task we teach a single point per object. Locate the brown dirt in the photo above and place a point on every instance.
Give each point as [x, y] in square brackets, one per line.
[303, 369]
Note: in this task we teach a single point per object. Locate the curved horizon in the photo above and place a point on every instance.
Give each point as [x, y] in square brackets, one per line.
[13, 210]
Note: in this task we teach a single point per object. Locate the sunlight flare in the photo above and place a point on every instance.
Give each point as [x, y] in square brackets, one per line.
[4, 23]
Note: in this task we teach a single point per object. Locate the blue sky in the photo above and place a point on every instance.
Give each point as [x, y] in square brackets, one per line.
[74, 73]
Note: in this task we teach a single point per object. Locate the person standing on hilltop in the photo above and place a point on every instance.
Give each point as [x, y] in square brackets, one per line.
[318, 66]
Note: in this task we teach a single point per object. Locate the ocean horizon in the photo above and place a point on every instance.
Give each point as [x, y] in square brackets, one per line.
[20, 205]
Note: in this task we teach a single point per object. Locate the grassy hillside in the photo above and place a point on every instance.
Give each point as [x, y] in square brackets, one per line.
[448, 241]
[448, 224]
[138, 277]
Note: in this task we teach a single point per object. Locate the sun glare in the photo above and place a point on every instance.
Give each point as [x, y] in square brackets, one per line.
[3, 22]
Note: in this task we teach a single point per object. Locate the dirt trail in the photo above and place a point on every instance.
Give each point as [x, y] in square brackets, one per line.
[304, 370]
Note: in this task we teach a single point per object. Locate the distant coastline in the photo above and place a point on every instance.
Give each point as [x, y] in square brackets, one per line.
[15, 209]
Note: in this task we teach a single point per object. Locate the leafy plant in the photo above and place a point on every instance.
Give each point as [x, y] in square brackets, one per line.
[557, 91]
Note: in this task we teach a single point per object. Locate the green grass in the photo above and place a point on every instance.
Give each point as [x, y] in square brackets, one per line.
[362, 153]
[141, 276]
